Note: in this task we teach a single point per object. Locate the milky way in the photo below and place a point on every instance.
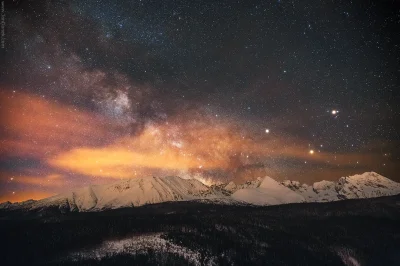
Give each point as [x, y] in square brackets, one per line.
[94, 91]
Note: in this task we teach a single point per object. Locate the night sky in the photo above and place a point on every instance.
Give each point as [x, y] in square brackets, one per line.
[97, 91]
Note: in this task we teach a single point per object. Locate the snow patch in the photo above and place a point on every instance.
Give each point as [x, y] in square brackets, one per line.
[137, 245]
[348, 257]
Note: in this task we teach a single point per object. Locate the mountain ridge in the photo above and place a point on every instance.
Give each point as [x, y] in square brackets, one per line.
[261, 191]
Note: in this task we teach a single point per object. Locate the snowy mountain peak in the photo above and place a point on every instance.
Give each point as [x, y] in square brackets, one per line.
[268, 182]
[268, 192]
[367, 178]
[366, 185]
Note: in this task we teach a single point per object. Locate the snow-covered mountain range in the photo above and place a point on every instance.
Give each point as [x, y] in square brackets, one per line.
[262, 191]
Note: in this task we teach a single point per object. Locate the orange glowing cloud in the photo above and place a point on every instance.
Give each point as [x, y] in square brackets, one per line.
[120, 160]
[34, 126]
[189, 144]
[115, 162]
[158, 147]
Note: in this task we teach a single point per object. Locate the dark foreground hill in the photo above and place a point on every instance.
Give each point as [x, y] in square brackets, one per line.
[351, 232]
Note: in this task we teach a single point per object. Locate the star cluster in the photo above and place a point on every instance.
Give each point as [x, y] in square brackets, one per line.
[97, 90]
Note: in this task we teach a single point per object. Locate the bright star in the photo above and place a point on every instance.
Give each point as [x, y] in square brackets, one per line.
[267, 131]
[311, 151]
[334, 112]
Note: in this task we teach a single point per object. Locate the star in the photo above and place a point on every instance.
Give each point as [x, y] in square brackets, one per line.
[267, 131]
[311, 151]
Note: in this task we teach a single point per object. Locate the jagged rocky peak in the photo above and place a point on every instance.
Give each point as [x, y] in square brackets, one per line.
[323, 185]
[231, 186]
[16, 205]
[291, 184]
[5, 205]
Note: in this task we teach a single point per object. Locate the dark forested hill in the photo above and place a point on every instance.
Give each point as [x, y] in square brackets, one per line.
[351, 232]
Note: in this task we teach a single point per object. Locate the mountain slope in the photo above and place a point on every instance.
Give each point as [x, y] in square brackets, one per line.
[269, 192]
[131, 192]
